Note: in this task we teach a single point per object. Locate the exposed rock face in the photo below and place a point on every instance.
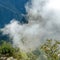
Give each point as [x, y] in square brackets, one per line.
[3, 58]
[9, 58]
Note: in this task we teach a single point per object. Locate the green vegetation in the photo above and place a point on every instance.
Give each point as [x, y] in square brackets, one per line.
[50, 50]
[6, 49]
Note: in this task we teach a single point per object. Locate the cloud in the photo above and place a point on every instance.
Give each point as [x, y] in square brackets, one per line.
[44, 23]
[47, 14]
[24, 36]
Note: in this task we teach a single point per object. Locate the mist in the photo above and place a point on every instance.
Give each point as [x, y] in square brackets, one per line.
[43, 23]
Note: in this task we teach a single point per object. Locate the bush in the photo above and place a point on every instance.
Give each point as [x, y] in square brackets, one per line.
[6, 49]
[51, 49]
[48, 51]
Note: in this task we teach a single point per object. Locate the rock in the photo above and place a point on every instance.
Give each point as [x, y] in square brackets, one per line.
[11, 58]
[3, 58]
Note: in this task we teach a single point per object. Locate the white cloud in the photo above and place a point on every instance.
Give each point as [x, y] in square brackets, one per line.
[44, 23]
[24, 36]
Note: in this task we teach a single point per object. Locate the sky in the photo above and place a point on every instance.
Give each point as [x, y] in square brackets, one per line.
[10, 9]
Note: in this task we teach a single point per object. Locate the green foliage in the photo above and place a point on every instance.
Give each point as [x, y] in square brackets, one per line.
[20, 55]
[32, 56]
[51, 49]
[6, 49]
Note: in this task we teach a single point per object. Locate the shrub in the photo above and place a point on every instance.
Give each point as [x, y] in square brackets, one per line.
[51, 49]
[6, 49]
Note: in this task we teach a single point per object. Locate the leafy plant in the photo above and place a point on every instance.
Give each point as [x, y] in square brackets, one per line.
[6, 49]
[51, 49]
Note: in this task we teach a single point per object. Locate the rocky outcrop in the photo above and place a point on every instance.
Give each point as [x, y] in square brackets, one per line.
[7, 58]
[11, 58]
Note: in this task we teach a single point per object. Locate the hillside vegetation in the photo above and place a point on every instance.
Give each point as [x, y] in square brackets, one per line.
[50, 50]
